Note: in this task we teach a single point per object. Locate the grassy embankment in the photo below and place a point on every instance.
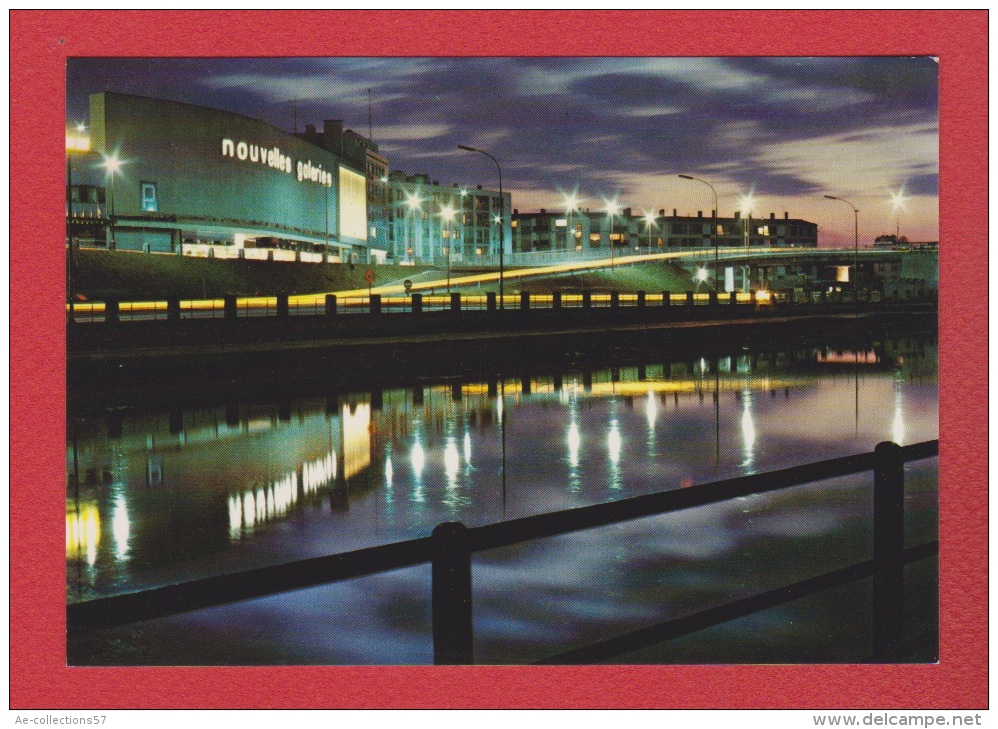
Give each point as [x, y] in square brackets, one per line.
[136, 276]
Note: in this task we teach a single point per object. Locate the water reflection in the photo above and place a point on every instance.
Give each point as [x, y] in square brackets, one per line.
[178, 491]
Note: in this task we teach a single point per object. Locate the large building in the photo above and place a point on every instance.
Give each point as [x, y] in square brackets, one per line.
[585, 229]
[430, 223]
[156, 175]
[363, 154]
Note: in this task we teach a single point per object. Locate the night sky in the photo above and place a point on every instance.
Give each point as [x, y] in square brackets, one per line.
[786, 130]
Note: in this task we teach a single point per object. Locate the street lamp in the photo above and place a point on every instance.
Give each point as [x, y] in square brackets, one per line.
[855, 263]
[897, 202]
[112, 166]
[713, 229]
[502, 218]
[447, 213]
[649, 221]
[571, 204]
[612, 208]
[413, 202]
[746, 206]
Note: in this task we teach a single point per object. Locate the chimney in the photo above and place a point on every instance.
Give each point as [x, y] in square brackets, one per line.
[543, 211]
[699, 213]
[310, 129]
[772, 216]
[332, 135]
[661, 213]
[738, 215]
[627, 212]
[674, 213]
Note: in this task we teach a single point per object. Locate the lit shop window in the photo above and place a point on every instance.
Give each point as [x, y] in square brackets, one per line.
[150, 203]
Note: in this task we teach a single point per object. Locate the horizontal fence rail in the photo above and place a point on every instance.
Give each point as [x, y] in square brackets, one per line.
[232, 308]
[451, 546]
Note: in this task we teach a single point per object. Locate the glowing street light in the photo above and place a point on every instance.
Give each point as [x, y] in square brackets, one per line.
[413, 202]
[612, 208]
[713, 229]
[897, 205]
[502, 217]
[855, 264]
[112, 166]
[747, 204]
[447, 213]
[571, 205]
[649, 221]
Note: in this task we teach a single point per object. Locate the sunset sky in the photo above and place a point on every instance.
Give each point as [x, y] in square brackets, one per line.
[787, 130]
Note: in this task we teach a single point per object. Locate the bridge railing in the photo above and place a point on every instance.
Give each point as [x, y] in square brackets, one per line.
[234, 308]
[451, 547]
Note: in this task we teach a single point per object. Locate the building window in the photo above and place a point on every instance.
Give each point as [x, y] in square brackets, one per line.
[150, 203]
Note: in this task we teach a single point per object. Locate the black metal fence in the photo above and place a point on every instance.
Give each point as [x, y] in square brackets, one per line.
[452, 545]
[231, 307]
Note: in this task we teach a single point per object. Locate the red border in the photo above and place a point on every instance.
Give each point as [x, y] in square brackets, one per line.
[40, 43]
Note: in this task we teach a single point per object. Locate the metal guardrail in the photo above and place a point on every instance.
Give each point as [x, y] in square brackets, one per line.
[451, 546]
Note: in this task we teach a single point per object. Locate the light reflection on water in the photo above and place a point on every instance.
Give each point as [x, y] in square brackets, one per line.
[215, 490]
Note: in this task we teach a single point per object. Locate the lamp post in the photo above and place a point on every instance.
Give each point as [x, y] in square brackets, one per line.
[612, 208]
[855, 255]
[412, 202]
[447, 214]
[571, 202]
[112, 165]
[502, 218]
[649, 221]
[897, 201]
[713, 229]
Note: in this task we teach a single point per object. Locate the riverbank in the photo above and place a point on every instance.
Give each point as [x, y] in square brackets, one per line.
[106, 364]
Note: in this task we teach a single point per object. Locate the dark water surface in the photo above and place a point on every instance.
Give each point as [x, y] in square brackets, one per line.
[161, 496]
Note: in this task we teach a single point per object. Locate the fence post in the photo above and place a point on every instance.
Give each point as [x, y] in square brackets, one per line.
[231, 312]
[455, 302]
[666, 298]
[490, 300]
[640, 303]
[173, 310]
[614, 300]
[417, 303]
[587, 300]
[524, 300]
[712, 298]
[375, 303]
[111, 311]
[888, 551]
[689, 298]
[330, 304]
[451, 596]
[733, 298]
[282, 306]
[556, 300]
